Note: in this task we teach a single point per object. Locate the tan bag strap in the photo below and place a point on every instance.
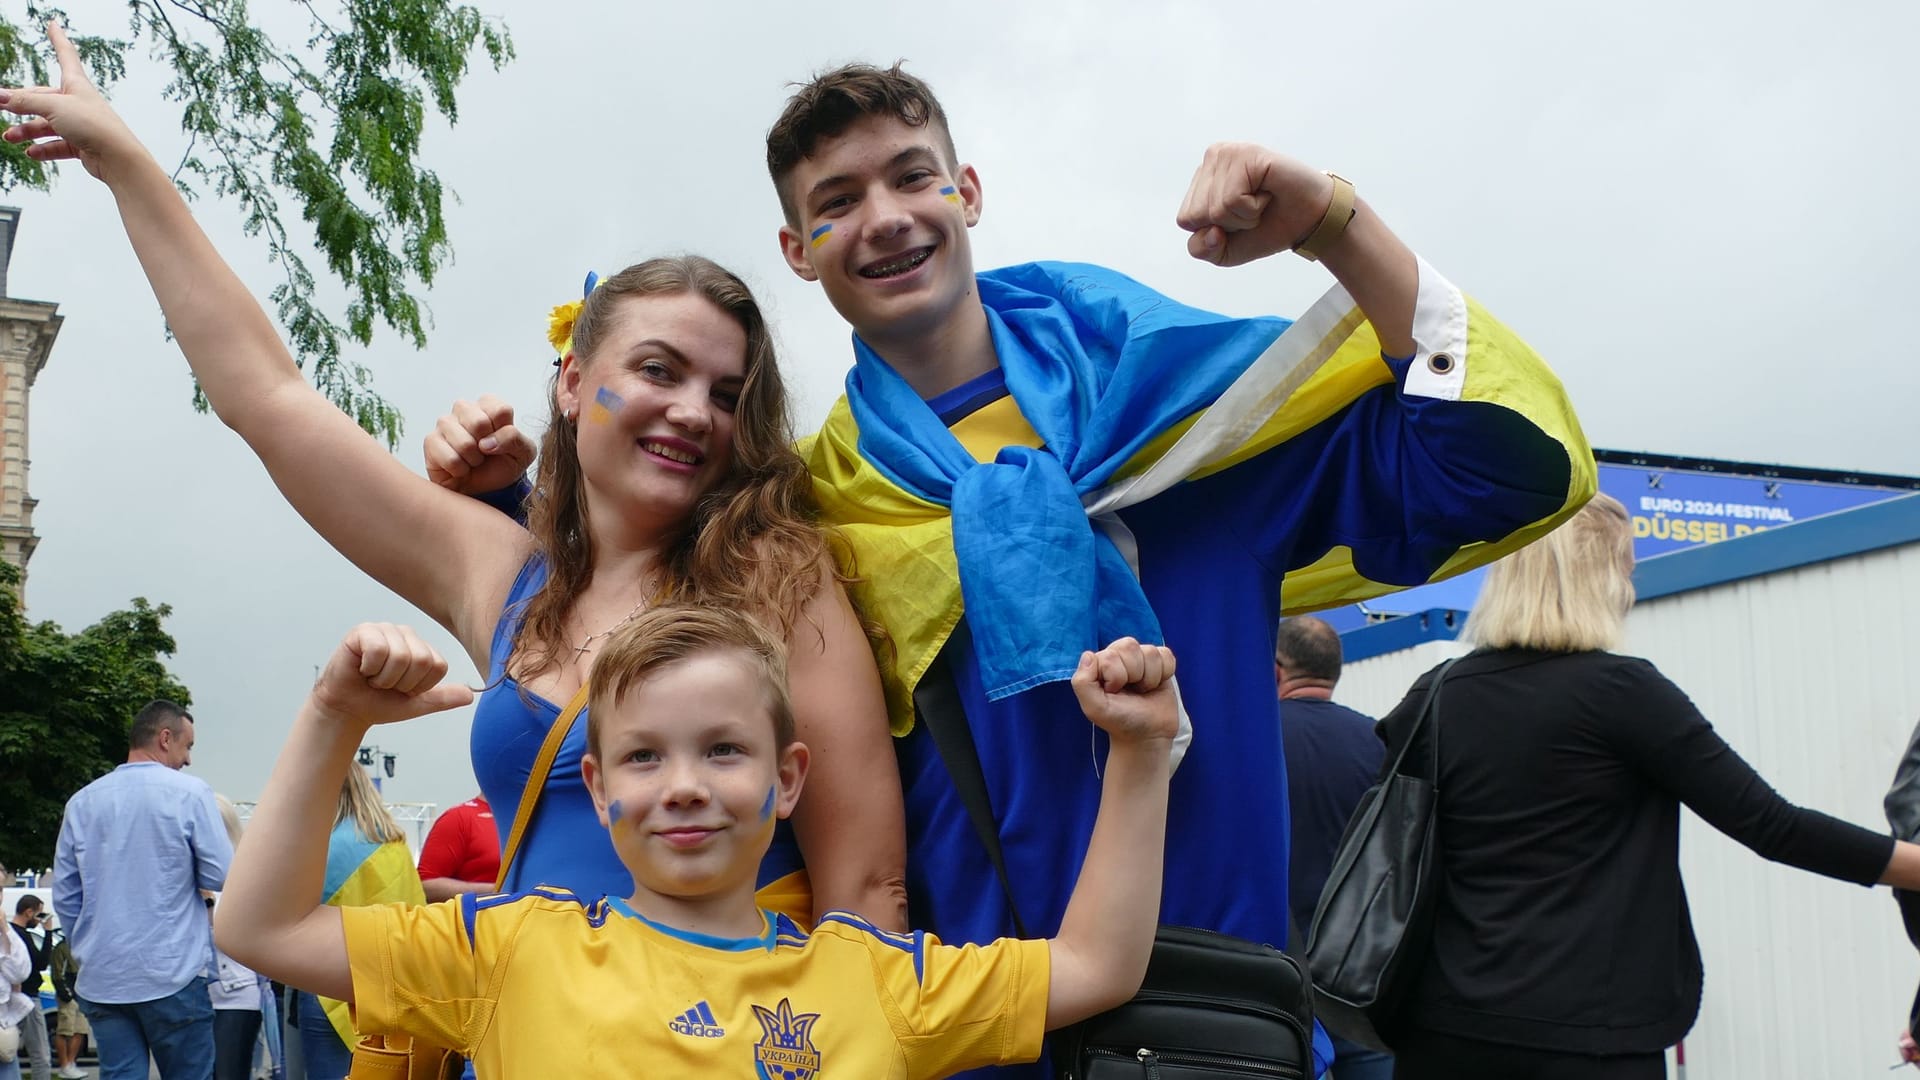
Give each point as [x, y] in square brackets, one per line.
[402, 1057]
[381, 1058]
[537, 782]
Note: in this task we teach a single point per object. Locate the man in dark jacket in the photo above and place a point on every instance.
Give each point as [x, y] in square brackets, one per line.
[1333, 757]
[28, 922]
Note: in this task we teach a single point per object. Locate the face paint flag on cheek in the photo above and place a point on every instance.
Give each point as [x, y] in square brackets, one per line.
[766, 808]
[951, 194]
[614, 813]
[821, 235]
[605, 404]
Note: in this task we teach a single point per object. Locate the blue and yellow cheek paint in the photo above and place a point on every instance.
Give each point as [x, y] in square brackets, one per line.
[767, 824]
[605, 404]
[820, 235]
[616, 813]
[951, 194]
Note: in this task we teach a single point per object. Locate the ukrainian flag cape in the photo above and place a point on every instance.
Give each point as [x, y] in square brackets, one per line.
[1131, 393]
[361, 872]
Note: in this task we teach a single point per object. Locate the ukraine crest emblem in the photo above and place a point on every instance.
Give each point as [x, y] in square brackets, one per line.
[785, 1050]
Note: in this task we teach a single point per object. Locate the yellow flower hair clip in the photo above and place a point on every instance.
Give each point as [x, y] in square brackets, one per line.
[561, 319]
[560, 325]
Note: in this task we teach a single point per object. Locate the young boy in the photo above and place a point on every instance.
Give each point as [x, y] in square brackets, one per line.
[692, 759]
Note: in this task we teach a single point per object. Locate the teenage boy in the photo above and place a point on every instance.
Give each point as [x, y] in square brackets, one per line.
[691, 761]
[1002, 409]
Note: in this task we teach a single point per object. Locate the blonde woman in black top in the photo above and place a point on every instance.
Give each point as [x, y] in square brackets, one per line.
[1562, 945]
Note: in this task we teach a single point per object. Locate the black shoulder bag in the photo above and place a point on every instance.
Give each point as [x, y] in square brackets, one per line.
[1212, 1005]
[1375, 916]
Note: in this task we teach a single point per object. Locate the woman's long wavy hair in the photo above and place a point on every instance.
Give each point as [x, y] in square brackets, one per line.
[1568, 591]
[751, 544]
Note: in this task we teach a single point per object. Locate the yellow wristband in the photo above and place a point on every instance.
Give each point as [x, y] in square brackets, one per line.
[1333, 224]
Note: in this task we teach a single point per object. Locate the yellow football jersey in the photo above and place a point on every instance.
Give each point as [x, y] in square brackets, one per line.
[992, 427]
[541, 984]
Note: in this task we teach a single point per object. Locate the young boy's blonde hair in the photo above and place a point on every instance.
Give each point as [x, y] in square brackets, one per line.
[671, 633]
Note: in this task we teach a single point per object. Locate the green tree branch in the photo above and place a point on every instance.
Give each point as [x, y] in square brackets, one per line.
[254, 110]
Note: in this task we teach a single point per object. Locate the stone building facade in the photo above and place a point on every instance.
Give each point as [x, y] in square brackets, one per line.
[27, 331]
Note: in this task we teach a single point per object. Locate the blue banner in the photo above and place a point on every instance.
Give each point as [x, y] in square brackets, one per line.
[1672, 509]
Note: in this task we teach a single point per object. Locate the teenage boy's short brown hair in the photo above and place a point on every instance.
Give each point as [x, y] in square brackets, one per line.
[668, 634]
[833, 102]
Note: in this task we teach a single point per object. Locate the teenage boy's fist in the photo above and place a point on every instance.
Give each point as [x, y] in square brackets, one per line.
[1247, 202]
[382, 673]
[476, 449]
[1126, 689]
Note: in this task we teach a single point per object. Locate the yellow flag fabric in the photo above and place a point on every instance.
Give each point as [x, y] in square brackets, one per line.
[385, 876]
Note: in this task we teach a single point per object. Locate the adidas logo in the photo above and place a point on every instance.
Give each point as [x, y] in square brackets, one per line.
[697, 1022]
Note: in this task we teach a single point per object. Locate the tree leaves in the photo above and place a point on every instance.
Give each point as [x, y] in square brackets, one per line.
[333, 123]
[66, 701]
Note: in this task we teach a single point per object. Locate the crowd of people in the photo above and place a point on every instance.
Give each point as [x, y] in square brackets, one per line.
[714, 660]
[159, 1001]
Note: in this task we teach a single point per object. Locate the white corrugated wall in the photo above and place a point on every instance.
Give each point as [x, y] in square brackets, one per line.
[1376, 685]
[1813, 675]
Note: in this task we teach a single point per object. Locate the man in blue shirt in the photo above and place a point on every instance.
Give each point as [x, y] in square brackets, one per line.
[136, 847]
[1333, 757]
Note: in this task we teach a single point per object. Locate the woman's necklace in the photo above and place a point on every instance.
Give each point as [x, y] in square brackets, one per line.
[587, 643]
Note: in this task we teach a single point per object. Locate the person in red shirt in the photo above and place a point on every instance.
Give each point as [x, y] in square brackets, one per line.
[462, 852]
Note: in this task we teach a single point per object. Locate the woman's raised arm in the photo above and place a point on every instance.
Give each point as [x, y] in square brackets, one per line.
[449, 556]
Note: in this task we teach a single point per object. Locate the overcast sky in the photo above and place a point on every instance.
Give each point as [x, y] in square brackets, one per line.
[1702, 214]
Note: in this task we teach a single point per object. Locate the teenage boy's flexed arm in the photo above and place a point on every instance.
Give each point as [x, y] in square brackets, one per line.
[1247, 202]
[1472, 447]
[1100, 954]
[269, 918]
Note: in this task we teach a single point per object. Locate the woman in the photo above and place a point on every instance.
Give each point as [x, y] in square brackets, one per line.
[239, 994]
[368, 862]
[1561, 943]
[668, 473]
